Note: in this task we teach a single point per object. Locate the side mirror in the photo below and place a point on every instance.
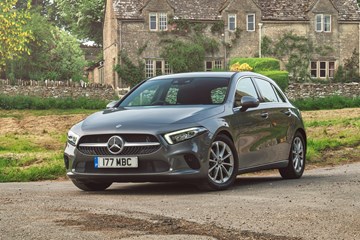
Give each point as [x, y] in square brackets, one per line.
[111, 104]
[248, 102]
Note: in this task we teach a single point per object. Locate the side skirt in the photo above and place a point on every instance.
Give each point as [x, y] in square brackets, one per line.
[276, 165]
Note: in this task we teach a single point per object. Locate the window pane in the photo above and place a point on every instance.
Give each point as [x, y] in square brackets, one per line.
[322, 65]
[245, 87]
[318, 23]
[267, 91]
[218, 64]
[152, 22]
[158, 68]
[162, 22]
[251, 22]
[208, 66]
[314, 73]
[313, 65]
[327, 23]
[322, 73]
[149, 68]
[167, 68]
[232, 22]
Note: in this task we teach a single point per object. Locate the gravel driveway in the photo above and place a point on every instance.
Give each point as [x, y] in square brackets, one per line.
[324, 204]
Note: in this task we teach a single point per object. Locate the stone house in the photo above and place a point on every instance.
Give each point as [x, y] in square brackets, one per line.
[131, 25]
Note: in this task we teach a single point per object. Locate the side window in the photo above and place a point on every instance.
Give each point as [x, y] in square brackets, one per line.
[244, 87]
[279, 95]
[267, 91]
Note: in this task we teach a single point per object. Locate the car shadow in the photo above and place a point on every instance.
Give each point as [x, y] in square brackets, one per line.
[171, 188]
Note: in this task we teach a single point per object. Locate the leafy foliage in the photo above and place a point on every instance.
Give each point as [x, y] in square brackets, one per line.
[14, 38]
[55, 54]
[188, 55]
[130, 73]
[83, 18]
[259, 64]
[296, 51]
[184, 56]
[29, 102]
[350, 71]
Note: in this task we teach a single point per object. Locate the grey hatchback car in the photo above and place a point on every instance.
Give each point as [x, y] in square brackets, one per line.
[202, 128]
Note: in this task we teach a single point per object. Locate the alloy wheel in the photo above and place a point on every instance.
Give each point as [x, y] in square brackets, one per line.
[221, 162]
[298, 154]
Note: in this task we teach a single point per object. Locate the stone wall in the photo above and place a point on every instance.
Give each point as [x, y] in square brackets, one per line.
[71, 89]
[312, 90]
[56, 89]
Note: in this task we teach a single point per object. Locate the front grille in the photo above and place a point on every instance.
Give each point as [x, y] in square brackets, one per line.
[127, 138]
[103, 151]
[144, 144]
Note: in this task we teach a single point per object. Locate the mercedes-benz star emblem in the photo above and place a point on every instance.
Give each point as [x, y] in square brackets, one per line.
[115, 145]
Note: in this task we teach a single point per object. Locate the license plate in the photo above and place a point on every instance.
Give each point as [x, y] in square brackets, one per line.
[116, 162]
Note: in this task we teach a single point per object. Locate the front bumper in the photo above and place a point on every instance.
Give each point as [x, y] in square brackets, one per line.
[187, 160]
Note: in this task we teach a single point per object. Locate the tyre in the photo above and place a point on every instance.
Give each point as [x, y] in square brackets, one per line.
[91, 186]
[297, 156]
[223, 164]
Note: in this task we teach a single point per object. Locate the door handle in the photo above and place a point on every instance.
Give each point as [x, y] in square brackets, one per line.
[264, 115]
[287, 113]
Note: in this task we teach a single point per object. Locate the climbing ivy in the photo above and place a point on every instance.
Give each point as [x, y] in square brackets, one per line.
[218, 27]
[349, 72]
[187, 54]
[296, 51]
[130, 73]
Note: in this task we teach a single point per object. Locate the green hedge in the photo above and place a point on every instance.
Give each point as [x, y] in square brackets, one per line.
[280, 77]
[334, 102]
[37, 103]
[259, 64]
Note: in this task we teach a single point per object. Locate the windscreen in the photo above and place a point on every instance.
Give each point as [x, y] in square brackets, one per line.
[180, 91]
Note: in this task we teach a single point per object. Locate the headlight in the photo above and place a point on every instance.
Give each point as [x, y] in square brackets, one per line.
[72, 138]
[183, 135]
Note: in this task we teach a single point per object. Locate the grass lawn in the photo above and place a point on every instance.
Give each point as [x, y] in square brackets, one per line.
[32, 141]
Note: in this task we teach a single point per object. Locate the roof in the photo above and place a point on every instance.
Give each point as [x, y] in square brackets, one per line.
[348, 10]
[284, 9]
[200, 9]
[210, 9]
[298, 9]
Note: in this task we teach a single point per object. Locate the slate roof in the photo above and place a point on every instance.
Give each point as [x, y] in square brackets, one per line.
[298, 9]
[348, 9]
[197, 9]
[289, 10]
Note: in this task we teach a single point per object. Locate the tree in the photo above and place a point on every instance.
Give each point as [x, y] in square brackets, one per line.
[55, 54]
[14, 38]
[83, 18]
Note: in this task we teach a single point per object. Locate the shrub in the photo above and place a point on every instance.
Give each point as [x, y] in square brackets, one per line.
[240, 67]
[280, 77]
[333, 102]
[259, 64]
[37, 103]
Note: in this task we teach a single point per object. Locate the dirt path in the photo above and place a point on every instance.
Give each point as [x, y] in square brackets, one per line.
[324, 204]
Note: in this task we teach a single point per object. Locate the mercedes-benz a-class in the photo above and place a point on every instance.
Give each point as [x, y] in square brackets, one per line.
[202, 128]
